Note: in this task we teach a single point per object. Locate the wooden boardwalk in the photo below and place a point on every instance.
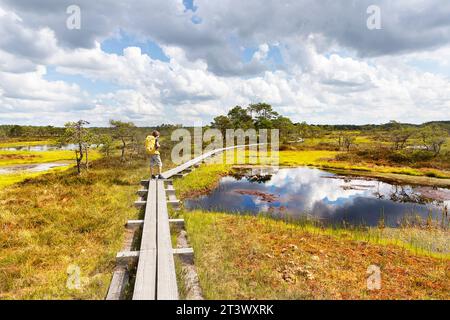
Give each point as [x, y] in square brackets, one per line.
[145, 283]
[169, 174]
[155, 275]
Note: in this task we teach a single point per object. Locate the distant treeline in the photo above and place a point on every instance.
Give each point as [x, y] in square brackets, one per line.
[393, 142]
[258, 116]
[387, 126]
[44, 132]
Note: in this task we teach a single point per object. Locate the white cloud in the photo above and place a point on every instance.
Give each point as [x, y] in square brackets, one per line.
[323, 79]
[262, 53]
[30, 92]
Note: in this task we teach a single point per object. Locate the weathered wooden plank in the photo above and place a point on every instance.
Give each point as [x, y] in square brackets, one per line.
[125, 257]
[171, 192]
[144, 183]
[197, 160]
[117, 285]
[144, 286]
[140, 204]
[176, 221]
[145, 283]
[134, 223]
[182, 251]
[167, 288]
[172, 198]
[142, 193]
[174, 202]
[170, 188]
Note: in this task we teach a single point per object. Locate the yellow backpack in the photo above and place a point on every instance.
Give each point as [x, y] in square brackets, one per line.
[150, 145]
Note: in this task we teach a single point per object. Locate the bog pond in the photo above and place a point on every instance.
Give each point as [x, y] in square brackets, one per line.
[43, 147]
[31, 168]
[296, 193]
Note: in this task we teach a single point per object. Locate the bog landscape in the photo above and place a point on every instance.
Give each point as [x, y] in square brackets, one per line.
[253, 151]
[343, 198]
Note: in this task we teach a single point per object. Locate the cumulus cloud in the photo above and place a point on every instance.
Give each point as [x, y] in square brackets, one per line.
[29, 92]
[406, 25]
[332, 69]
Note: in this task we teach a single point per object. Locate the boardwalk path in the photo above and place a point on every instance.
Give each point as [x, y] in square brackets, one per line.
[155, 275]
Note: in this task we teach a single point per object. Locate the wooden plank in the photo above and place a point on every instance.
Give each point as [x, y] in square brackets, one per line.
[167, 288]
[170, 188]
[142, 193]
[134, 223]
[183, 251]
[144, 286]
[144, 183]
[171, 192]
[168, 174]
[140, 204]
[118, 283]
[176, 221]
[125, 257]
[145, 283]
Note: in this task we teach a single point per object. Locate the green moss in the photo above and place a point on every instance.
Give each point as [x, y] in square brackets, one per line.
[202, 180]
[14, 143]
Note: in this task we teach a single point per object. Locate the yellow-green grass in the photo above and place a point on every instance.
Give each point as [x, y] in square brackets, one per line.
[245, 257]
[202, 180]
[29, 157]
[333, 139]
[419, 142]
[12, 158]
[16, 143]
[446, 145]
[10, 179]
[306, 158]
[8, 158]
[58, 220]
[325, 160]
[284, 158]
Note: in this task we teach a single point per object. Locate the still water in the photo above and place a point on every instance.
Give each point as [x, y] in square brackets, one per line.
[38, 167]
[44, 147]
[305, 192]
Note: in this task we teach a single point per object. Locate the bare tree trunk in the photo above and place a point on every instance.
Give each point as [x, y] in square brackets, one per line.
[122, 158]
[78, 161]
[87, 158]
[79, 157]
[133, 149]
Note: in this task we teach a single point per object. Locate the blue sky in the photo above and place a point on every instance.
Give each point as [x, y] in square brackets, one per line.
[116, 45]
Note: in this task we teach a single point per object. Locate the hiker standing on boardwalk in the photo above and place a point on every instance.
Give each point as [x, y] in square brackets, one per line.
[152, 147]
